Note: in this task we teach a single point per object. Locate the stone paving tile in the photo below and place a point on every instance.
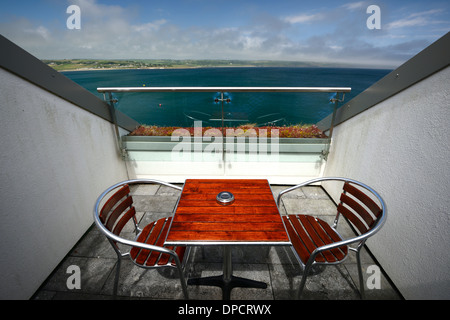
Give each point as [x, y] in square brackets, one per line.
[381, 290]
[314, 192]
[297, 193]
[155, 203]
[144, 189]
[309, 206]
[136, 282]
[94, 273]
[168, 191]
[94, 245]
[326, 283]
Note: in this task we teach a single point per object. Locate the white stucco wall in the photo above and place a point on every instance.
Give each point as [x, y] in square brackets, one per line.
[55, 160]
[401, 148]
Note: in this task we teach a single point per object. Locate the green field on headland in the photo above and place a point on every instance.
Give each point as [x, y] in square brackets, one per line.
[94, 64]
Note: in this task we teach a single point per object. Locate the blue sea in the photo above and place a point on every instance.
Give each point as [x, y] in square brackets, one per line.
[181, 109]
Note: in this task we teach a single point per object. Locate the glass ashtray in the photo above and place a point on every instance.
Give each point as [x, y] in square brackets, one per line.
[225, 198]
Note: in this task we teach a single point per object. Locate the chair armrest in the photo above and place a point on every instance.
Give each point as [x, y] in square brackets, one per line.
[301, 185]
[148, 181]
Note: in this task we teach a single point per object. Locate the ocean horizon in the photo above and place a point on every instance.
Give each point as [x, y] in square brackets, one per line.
[181, 109]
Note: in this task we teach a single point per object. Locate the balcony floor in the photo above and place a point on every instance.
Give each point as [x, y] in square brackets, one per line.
[274, 265]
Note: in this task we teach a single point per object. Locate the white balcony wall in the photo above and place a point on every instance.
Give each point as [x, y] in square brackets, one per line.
[281, 161]
[160, 165]
[55, 160]
[401, 148]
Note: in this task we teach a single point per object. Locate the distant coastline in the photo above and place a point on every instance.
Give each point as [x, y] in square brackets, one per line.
[151, 68]
[105, 69]
[65, 65]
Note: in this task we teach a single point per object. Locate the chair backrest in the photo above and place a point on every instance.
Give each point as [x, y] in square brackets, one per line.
[118, 210]
[359, 208]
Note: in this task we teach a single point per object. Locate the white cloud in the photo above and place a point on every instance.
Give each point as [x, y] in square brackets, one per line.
[354, 5]
[336, 48]
[304, 18]
[150, 26]
[41, 32]
[334, 34]
[417, 19]
[251, 42]
[92, 9]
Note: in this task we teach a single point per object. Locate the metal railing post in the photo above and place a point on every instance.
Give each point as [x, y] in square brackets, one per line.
[111, 101]
[335, 101]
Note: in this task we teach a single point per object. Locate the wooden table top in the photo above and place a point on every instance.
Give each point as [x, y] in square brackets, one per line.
[253, 217]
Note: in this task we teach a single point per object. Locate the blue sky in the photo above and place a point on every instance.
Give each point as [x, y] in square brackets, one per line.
[316, 31]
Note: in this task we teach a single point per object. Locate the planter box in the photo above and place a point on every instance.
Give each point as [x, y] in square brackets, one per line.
[281, 145]
[283, 160]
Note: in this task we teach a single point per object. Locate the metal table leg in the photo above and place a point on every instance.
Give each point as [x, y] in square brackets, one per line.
[227, 281]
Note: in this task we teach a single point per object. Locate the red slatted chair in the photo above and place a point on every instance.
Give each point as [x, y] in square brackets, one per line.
[147, 251]
[316, 242]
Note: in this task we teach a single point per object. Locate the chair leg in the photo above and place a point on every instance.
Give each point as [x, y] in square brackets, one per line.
[360, 275]
[203, 253]
[180, 269]
[116, 279]
[183, 284]
[303, 282]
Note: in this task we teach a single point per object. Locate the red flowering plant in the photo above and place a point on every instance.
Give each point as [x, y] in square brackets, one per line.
[251, 130]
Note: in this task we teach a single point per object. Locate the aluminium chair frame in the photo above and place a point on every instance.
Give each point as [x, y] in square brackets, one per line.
[114, 239]
[361, 239]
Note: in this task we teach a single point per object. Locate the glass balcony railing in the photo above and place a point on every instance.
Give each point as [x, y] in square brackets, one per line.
[226, 125]
[180, 106]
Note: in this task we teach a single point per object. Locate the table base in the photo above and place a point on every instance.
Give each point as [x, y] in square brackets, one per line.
[227, 281]
[227, 286]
